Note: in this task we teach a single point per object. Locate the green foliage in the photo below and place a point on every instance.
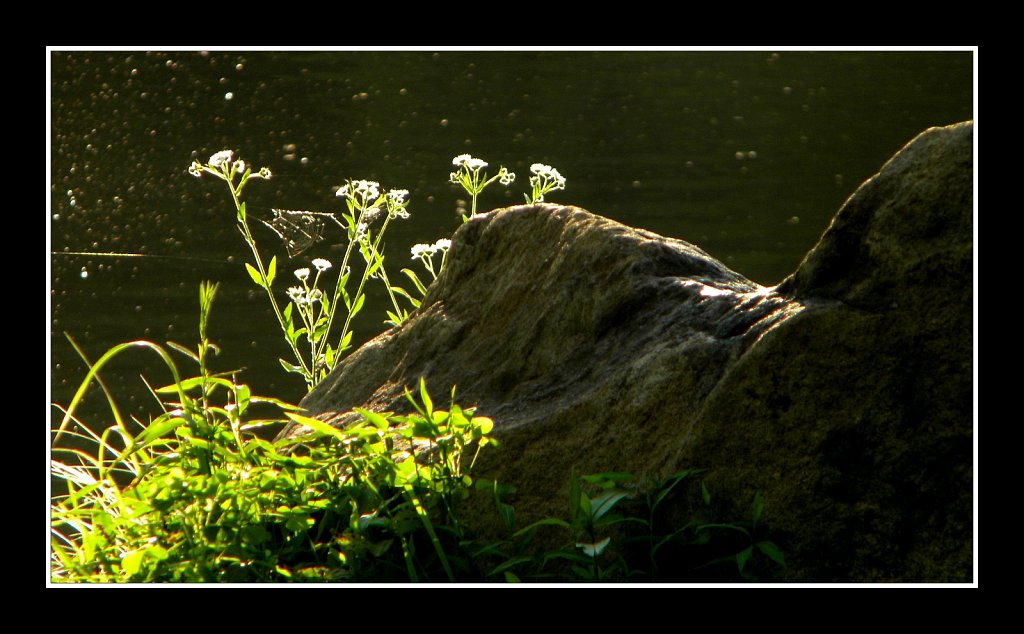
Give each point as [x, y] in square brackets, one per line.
[196, 496]
[617, 532]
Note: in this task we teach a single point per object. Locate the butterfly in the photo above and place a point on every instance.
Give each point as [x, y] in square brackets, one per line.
[298, 230]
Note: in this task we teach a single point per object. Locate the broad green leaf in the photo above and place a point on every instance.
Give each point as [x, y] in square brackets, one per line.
[272, 271]
[316, 425]
[132, 562]
[482, 425]
[255, 275]
[606, 501]
[377, 420]
[705, 494]
[772, 551]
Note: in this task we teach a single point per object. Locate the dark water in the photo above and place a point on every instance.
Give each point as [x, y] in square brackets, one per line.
[746, 154]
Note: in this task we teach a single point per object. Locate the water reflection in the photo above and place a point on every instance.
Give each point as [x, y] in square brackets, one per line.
[746, 154]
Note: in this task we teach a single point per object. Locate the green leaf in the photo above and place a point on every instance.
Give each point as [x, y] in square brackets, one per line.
[375, 419]
[772, 551]
[159, 428]
[743, 556]
[185, 351]
[548, 521]
[425, 397]
[358, 305]
[316, 425]
[132, 562]
[272, 271]
[705, 494]
[416, 281]
[377, 262]
[604, 502]
[255, 275]
[291, 368]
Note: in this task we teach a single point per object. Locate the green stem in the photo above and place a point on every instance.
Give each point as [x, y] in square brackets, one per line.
[247, 234]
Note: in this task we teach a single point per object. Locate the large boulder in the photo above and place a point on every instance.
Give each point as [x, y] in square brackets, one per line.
[844, 394]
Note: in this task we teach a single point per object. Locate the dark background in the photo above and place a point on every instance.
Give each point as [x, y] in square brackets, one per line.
[746, 154]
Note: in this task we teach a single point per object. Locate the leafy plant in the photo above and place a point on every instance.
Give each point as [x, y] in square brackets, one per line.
[316, 309]
[196, 496]
[615, 533]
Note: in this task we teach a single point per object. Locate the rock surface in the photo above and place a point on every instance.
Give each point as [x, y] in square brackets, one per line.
[845, 394]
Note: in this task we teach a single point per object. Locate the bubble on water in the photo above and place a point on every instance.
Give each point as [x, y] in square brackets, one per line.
[84, 274]
[228, 96]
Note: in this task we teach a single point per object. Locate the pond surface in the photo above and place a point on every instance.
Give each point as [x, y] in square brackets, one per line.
[745, 154]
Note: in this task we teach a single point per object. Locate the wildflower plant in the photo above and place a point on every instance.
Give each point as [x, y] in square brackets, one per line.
[467, 174]
[545, 179]
[311, 310]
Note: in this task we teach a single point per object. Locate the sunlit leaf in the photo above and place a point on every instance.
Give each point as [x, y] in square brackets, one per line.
[255, 275]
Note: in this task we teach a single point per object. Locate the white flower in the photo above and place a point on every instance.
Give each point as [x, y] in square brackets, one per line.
[297, 295]
[461, 160]
[476, 164]
[369, 215]
[220, 158]
[399, 213]
[239, 166]
[314, 296]
[420, 250]
[398, 195]
[196, 169]
[367, 190]
[443, 243]
[264, 173]
[321, 264]
[506, 176]
[302, 274]
[342, 191]
[453, 177]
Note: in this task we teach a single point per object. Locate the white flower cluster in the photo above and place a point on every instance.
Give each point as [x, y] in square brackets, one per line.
[220, 164]
[299, 295]
[545, 179]
[467, 161]
[220, 158]
[427, 250]
[545, 174]
[365, 190]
